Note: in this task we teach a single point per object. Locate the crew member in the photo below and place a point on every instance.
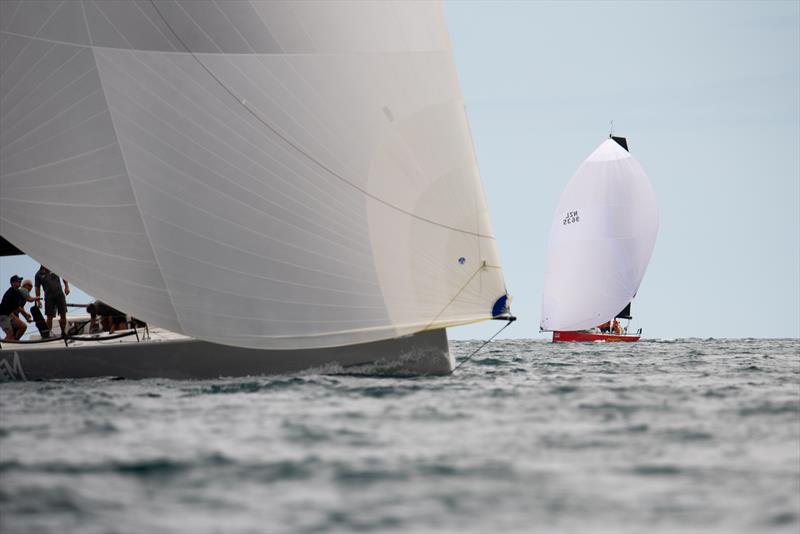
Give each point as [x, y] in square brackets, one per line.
[111, 319]
[11, 305]
[615, 327]
[54, 298]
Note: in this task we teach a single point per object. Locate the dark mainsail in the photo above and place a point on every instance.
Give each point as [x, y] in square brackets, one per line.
[625, 313]
[621, 141]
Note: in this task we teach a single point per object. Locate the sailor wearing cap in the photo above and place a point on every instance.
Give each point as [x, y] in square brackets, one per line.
[12, 305]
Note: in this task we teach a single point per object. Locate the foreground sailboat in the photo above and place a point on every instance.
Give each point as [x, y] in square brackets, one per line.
[601, 241]
[278, 185]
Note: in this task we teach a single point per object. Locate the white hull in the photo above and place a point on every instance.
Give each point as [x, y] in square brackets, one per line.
[172, 356]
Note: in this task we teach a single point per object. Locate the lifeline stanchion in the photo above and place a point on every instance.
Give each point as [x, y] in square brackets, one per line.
[468, 358]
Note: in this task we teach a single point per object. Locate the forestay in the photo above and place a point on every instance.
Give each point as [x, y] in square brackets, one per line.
[601, 240]
[259, 174]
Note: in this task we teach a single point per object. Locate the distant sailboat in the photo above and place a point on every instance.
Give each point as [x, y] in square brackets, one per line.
[283, 184]
[601, 241]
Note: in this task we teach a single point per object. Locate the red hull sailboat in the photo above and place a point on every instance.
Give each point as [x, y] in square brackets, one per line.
[601, 240]
[592, 336]
[610, 331]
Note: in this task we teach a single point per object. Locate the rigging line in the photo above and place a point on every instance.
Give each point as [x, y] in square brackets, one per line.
[479, 269]
[303, 152]
[474, 352]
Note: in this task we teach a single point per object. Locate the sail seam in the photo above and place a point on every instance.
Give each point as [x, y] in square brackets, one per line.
[83, 227]
[229, 221]
[47, 20]
[299, 124]
[463, 287]
[299, 149]
[10, 90]
[353, 245]
[86, 21]
[13, 14]
[320, 204]
[133, 192]
[52, 95]
[295, 266]
[52, 163]
[60, 132]
[70, 204]
[250, 230]
[69, 184]
[154, 25]
[178, 52]
[75, 245]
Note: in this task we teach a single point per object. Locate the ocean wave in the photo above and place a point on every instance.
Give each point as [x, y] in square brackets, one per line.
[771, 408]
[665, 436]
[144, 467]
[686, 434]
[490, 362]
[564, 389]
[235, 387]
[656, 470]
[379, 392]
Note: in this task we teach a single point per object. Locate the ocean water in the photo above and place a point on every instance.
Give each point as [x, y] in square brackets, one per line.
[660, 436]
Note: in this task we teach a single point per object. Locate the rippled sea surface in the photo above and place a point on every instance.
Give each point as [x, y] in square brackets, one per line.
[660, 436]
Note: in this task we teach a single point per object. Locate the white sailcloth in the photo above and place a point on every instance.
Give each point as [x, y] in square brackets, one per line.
[259, 174]
[601, 240]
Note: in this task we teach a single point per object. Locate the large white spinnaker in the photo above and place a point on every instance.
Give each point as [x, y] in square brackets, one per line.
[260, 174]
[601, 240]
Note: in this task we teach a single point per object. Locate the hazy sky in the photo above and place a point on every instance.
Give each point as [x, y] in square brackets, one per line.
[708, 95]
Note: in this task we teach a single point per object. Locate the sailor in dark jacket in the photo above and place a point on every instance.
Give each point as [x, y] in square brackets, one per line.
[13, 304]
[54, 298]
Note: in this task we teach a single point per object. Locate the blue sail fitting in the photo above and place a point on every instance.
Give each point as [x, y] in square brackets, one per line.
[500, 308]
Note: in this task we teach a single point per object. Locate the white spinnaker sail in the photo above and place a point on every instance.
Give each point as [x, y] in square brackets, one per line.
[259, 174]
[601, 240]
